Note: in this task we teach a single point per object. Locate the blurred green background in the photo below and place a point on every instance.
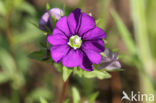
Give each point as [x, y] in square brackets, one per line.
[130, 26]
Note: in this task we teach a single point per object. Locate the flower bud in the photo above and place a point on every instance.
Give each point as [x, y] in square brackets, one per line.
[110, 61]
[46, 22]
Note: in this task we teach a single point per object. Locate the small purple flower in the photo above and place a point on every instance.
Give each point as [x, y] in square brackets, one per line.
[46, 20]
[77, 41]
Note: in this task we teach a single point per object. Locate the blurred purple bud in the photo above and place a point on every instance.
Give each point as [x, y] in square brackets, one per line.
[57, 13]
[110, 61]
[46, 22]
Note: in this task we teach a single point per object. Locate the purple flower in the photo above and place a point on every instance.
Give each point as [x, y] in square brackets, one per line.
[77, 41]
[46, 20]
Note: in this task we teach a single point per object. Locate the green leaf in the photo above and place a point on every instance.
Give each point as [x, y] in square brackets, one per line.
[43, 41]
[97, 74]
[38, 93]
[7, 70]
[28, 8]
[104, 7]
[30, 34]
[2, 9]
[67, 101]
[22, 61]
[10, 71]
[4, 77]
[93, 97]
[5, 58]
[142, 34]
[38, 55]
[125, 34]
[42, 100]
[76, 95]
[66, 73]
[35, 25]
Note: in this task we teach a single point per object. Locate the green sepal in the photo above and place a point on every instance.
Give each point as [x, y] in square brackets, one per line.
[54, 21]
[92, 74]
[66, 73]
[97, 74]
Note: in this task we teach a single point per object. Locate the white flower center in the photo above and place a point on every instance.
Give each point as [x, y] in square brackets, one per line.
[75, 41]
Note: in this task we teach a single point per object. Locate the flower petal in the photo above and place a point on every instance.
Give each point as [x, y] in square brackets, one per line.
[73, 58]
[63, 26]
[74, 20]
[96, 33]
[87, 23]
[57, 38]
[86, 64]
[96, 45]
[58, 52]
[93, 56]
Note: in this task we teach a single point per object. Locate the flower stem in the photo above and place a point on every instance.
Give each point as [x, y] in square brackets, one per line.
[64, 89]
